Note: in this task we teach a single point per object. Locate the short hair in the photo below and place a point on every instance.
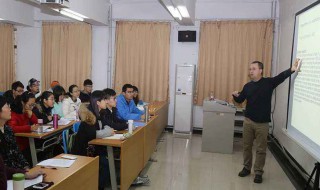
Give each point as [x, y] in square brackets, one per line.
[126, 86]
[135, 88]
[109, 92]
[260, 64]
[87, 82]
[16, 85]
[3, 102]
[57, 92]
[45, 95]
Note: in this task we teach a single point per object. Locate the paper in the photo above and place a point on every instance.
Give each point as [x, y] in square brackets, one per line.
[115, 136]
[139, 124]
[27, 183]
[62, 121]
[62, 163]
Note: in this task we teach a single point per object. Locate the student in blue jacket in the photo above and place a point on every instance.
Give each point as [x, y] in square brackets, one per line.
[127, 109]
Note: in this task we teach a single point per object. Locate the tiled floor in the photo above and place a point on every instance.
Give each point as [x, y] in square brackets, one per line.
[182, 166]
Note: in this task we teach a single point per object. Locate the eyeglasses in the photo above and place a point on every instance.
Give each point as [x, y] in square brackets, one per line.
[129, 92]
[32, 105]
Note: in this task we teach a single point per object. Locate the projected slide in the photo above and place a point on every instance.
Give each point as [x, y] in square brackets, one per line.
[305, 98]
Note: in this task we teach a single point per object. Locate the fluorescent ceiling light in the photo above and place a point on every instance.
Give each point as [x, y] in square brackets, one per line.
[184, 12]
[74, 13]
[1, 19]
[174, 12]
[71, 15]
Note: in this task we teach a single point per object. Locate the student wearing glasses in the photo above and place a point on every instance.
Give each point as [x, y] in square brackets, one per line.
[71, 105]
[85, 94]
[23, 120]
[17, 89]
[127, 109]
[44, 107]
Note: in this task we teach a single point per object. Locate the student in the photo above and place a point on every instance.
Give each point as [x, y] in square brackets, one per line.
[17, 89]
[109, 115]
[86, 93]
[126, 108]
[70, 105]
[59, 95]
[9, 150]
[136, 98]
[33, 87]
[91, 128]
[23, 120]
[43, 108]
[7, 172]
[53, 84]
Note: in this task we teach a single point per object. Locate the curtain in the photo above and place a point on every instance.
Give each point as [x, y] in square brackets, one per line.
[142, 58]
[226, 50]
[7, 66]
[66, 53]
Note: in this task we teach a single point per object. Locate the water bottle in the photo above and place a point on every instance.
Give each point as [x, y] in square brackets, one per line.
[55, 121]
[130, 122]
[18, 181]
[211, 96]
[146, 114]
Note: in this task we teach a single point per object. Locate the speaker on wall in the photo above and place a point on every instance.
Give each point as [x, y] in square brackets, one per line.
[187, 36]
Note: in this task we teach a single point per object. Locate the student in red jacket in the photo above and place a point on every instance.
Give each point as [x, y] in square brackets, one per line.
[23, 120]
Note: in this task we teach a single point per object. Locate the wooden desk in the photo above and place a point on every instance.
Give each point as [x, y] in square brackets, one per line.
[82, 175]
[131, 157]
[136, 150]
[160, 109]
[35, 135]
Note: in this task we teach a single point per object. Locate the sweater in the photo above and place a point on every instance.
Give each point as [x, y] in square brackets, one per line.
[110, 118]
[258, 95]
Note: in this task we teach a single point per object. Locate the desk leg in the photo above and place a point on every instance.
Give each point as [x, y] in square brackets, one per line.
[33, 151]
[112, 168]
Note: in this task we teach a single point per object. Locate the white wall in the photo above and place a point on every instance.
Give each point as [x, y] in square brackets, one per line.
[288, 8]
[16, 12]
[100, 39]
[28, 53]
[188, 52]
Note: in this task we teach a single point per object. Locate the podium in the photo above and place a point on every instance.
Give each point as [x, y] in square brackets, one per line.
[218, 127]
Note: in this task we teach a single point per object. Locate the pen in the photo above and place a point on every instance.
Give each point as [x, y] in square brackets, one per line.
[49, 167]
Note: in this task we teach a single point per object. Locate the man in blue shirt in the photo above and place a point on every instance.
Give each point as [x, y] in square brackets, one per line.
[127, 109]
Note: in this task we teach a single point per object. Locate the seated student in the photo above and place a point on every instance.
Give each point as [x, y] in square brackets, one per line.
[136, 98]
[23, 120]
[53, 84]
[91, 128]
[33, 87]
[59, 94]
[109, 115]
[7, 172]
[86, 92]
[9, 150]
[71, 105]
[17, 89]
[126, 108]
[43, 108]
